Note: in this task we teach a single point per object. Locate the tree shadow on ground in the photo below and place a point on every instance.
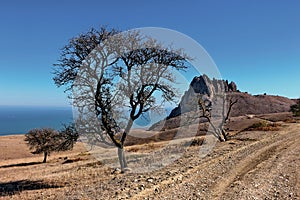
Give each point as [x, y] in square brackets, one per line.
[20, 164]
[15, 187]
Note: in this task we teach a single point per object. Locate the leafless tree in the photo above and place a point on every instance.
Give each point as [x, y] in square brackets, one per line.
[115, 78]
[47, 140]
[217, 126]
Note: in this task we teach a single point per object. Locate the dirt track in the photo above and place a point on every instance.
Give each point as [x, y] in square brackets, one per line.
[264, 169]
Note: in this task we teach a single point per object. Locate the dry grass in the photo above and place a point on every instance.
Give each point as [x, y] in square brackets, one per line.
[277, 117]
[150, 137]
[24, 176]
[198, 141]
[145, 148]
[13, 147]
[28, 175]
[264, 126]
[291, 120]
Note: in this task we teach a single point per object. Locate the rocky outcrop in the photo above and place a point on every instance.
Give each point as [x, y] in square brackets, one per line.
[204, 86]
[232, 87]
[247, 104]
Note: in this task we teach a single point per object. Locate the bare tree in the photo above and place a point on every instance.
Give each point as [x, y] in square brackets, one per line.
[123, 77]
[205, 106]
[47, 140]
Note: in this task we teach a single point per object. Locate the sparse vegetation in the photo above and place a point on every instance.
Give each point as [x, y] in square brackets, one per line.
[264, 126]
[290, 120]
[295, 109]
[47, 140]
[149, 147]
[198, 141]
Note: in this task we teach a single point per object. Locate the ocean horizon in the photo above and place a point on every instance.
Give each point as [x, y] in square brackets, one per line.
[20, 119]
[16, 120]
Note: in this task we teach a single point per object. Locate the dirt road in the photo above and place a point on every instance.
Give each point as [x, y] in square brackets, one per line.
[251, 166]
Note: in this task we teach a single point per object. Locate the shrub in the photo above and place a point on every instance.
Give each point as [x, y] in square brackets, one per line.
[295, 109]
[264, 126]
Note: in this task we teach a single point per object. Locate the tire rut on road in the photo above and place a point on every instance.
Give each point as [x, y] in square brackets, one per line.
[247, 165]
[224, 169]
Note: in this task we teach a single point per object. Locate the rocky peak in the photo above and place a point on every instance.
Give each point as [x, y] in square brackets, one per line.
[202, 85]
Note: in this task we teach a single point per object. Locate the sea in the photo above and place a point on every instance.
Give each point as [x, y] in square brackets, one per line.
[21, 119]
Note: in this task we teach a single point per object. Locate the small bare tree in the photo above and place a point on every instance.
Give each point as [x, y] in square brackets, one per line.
[115, 79]
[218, 130]
[47, 140]
[42, 141]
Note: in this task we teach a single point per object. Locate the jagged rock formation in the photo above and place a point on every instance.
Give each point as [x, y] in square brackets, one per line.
[204, 86]
[210, 89]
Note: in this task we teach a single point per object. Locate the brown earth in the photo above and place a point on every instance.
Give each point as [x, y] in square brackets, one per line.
[259, 104]
[251, 165]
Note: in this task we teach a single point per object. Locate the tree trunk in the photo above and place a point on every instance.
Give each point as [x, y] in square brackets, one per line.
[122, 159]
[45, 157]
[224, 135]
[121, 153]
[220, 138]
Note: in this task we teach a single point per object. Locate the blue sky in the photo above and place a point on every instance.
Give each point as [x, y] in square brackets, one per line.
[255, 43]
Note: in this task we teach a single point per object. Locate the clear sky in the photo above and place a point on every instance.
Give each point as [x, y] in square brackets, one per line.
[255, 43]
